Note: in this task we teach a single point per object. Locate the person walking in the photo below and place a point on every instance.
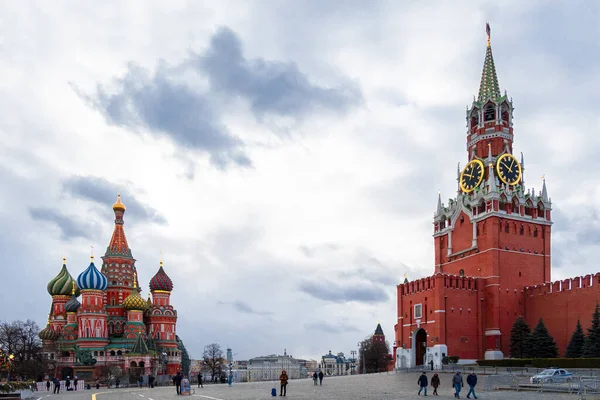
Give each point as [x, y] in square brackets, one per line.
[472, 381]
[315, 377]
[200, 380]
[75, 381]
[422, 383]
[283, 379]
[48, 384]
[68, 384]
[151, 380]
[435, 383]
[140, 381]
[177, 381]
[457, 384]
[431, 364]
[56, 386]
[321, 378]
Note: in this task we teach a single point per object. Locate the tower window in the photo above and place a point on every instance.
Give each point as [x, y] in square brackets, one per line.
[535, 232]
[418, 311]
[521, 230]
[461, 272]
[489, 113]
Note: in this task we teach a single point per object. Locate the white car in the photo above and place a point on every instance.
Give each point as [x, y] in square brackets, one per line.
[552, 375]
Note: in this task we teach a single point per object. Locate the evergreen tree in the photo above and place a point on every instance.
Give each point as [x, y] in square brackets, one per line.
[575, 347]
[591, 345]
[518, 339]
[542, 344]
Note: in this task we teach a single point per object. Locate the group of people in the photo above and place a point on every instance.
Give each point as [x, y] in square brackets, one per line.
[457, 384]
[57, 384]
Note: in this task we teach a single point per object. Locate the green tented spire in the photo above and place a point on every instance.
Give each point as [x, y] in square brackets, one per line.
[488, 88]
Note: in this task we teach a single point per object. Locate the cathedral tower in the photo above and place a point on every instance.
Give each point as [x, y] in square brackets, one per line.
[93, 332]
[118, 265]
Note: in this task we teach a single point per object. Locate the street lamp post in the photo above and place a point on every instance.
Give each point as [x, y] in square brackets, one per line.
[353, 355]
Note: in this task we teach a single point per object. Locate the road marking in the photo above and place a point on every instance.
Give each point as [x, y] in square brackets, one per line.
[141, 395]
[208, 397]
[96, 394]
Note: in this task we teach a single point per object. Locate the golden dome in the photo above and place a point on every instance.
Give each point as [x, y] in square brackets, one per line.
[118, 205]
[134, 301]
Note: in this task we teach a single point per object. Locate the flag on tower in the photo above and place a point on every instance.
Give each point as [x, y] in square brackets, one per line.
[487, 28]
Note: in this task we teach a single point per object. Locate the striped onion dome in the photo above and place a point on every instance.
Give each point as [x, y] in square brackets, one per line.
[48, 333]
[62, 283]
[161, 280]
[91, 278]
[73, 304]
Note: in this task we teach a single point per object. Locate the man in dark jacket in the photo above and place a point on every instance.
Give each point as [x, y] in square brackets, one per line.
[56, 385]
[457, 384]
[200, 380]
[472, 381]
[320, 377]
[422, 383]
[75, 382]
[435, 383]
[177, 381]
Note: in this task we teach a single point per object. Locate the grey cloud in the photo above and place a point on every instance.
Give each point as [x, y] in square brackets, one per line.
[69, 228]
[270, 86]
[330, 327]
[312, 251]
[330, 291]
[161, 105]
[166, 107]
[244, 308]
[103, 192]
[371, 269]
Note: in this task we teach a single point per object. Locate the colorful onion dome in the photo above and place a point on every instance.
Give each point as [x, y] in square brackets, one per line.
[73, 304]
[118, 205]
[61, 284]
[91, 278]
[161, 280]
[134, 301]
[48, 333]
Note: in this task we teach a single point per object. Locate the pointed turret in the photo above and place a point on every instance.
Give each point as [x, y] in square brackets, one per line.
[378, 330]
[440, 209]
[118, 242]
[544, 191]
[489, 87]
[140, 346]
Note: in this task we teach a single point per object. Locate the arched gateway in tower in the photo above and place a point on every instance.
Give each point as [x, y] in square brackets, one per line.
[491, 241]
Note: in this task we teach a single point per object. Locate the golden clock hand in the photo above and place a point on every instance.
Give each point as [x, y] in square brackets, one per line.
[470, 176]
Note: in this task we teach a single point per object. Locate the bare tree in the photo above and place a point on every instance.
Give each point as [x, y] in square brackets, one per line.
[374, 356]
[20, 338]
[213, 359]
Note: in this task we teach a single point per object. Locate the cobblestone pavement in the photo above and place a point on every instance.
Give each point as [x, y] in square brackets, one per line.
[377, 387]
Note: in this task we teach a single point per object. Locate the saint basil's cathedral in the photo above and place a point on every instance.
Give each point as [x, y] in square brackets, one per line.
[112, 325]
[492, 253]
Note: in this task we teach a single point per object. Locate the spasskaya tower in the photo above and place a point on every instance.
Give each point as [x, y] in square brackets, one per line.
[491, 240]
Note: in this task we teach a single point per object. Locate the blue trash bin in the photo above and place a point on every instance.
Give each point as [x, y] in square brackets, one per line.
[273, 392]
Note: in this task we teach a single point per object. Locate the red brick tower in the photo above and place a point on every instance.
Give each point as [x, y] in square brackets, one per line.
[494, 228]
[118, 265]
[491, 241]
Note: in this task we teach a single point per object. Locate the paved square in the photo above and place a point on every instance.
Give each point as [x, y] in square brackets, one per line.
[378, 387]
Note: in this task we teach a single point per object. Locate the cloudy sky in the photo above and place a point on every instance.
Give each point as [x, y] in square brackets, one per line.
[285, 156]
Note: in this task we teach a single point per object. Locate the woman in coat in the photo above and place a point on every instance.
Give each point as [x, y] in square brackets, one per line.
[283, 379]
[435, 382]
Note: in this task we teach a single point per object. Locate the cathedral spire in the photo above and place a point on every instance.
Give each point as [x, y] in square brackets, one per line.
[544, 191]
[118, 242]
[440, 209]
[489, 87]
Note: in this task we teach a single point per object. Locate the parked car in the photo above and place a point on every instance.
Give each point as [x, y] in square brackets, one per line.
[552, 375]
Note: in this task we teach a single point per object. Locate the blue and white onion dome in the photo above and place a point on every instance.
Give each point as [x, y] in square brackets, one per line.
[91, 278]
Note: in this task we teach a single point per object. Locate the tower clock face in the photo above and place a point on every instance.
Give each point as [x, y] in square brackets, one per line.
[508, 169]
[471, 176]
